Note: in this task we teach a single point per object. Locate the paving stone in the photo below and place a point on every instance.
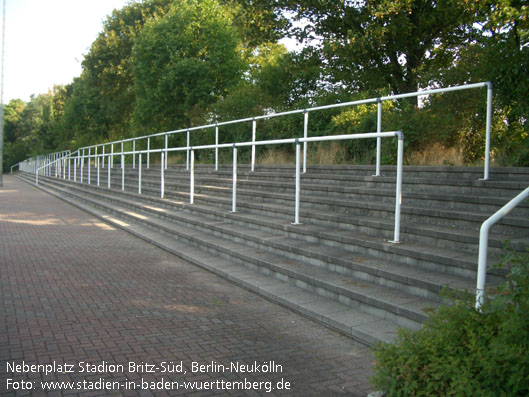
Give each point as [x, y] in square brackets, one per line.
[77, 289]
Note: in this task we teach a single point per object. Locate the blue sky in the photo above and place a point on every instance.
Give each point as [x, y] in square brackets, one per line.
[45, 41]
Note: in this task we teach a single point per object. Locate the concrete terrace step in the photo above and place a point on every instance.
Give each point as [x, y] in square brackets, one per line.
[452, 229]
[353, 321]
[464, 265]
[341, 252]
[349, 199]
[297, 242]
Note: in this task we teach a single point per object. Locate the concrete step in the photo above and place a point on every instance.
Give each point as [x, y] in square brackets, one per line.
[449, 229]
[353, 322]
[296, 242]
[325, 196]
[438, 238]
[340, 252]
[381, 301]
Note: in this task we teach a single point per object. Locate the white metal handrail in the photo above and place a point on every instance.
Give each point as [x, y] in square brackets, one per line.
[61, 165]
[484, 243]
[33, 163]
[306, 112]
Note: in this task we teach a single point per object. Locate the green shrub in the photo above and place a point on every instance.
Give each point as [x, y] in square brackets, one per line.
[464, 352]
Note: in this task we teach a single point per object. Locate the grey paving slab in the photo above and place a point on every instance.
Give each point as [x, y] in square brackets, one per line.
[75, 289]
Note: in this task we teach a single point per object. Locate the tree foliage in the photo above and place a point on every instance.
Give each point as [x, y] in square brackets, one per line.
[184, 62]
[167, 64]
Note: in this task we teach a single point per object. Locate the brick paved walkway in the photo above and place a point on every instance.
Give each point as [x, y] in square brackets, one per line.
[76, 291]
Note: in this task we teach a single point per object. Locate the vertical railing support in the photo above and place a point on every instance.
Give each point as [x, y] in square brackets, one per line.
[166, 146]
[216, 149]
[75, 170]
[139, 173]
[162, 177]
[82, 167]
[484, 243]
[133, 154]
[234, 181]
[148, 152]
[192, 178]
[305, 135]
[122, 172]
[103, 157]
[89, 166]
[379, 139]
[298, 182]
[487, 132]
[187, 151]
[69, 168]
[398, 188]
[254, 133]
[111, 160]
[98, 171]
[108, 171]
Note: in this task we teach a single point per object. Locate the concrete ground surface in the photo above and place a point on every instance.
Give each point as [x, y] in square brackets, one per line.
[91, 310]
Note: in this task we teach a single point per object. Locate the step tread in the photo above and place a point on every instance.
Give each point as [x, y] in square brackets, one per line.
[346, 236]
[383, 297]
[362, 326]
[367, 263]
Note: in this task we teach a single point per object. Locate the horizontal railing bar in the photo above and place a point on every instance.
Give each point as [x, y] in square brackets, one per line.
[257, 143]
[298, 111]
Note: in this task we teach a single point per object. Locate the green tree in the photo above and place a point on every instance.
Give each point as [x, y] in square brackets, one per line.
[376, 44]
[184, 62]
[104, 95]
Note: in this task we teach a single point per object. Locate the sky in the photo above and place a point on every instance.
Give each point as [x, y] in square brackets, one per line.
[45, 41]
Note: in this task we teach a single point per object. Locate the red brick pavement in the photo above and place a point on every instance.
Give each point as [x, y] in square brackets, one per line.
[74, 290]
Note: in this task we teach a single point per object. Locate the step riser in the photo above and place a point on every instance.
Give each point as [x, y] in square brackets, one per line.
[387, 255]
[264, 185]
[424, 200]
[261, 267]
[336, 265]
[386, 232]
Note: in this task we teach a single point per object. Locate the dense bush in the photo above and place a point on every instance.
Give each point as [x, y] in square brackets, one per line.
[462, 351]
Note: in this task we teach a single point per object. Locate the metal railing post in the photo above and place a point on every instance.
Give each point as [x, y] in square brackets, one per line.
[111, 160]
[133, 154]
[305, 135]
[122, 172]
[103, 157]
[75, 170]
[69, 168]
[139, 173]
[398, 188]
[165, 154]
[298, 182]
[88, 166]
[187, 151]
[82, 166]
[192, 179]
[254, 132]
[216, 149]
[379, 139]
[234, 181]
[148, 152]
[109, 168]
[162, 179]
[122, 162]
[487, 132]
[98, 171]
[484, 243]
